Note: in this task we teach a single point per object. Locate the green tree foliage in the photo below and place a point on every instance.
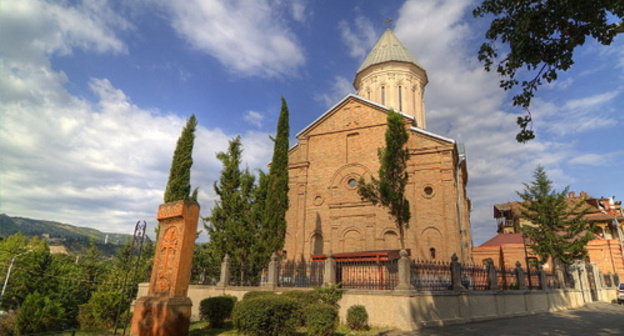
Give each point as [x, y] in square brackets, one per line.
[232, 224]
[29, 270]
[388, 191]
[277, 189]
[39, 313]
[179, 184]
[68, 282]
[559, 230]
[538, 38]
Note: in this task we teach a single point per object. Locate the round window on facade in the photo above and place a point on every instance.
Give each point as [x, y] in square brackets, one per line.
[428, 191]
[352, 183]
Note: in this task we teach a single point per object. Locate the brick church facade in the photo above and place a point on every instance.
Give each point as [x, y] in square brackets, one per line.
[326, 213]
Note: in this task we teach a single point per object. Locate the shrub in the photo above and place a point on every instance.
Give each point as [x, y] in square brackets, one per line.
[270, 315]
[255, 294]
[303, 297]
[7, 325]
[216, 309]
[357, 317]
[330, 295]
[321, 319]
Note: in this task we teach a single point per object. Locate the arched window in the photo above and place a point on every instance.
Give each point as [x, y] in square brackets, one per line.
[391, 241]
[383, 95]
[432, 253]
[400, 100]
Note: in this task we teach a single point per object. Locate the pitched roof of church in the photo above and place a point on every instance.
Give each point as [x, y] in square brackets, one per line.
[385, 108]
[388, 48]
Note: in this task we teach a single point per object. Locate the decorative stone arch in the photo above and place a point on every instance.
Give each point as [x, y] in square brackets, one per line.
[347, 171]
[432, 243]
[351, 239]
[390, 238]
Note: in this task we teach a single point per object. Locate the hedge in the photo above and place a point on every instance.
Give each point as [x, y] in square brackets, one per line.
[269, 315]
[216, 309]
[321, 319]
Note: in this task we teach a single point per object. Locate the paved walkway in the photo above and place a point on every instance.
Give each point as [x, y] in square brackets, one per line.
[594, 319]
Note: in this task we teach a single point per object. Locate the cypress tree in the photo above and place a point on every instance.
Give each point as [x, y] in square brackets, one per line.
[277, 189]
[232, 228]
[389, 190]
[559, 229]
[179, 184]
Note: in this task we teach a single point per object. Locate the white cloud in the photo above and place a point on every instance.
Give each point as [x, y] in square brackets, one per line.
[339, 88]
[361, 38]
[33, 29]
[102, 164]
[298, 10]
[248, 37]
[576, 115]
[464, 102]
[254, 118]
[595, 159]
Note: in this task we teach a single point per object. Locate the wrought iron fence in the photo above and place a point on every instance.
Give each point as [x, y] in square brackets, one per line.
[552, 281]
[607, 280]
[534, 282]
[506, 278]
[474, 277]
[431, 275]
[300, 274]
[367, 274]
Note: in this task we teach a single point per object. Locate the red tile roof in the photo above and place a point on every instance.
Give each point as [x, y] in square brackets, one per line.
[504, 238]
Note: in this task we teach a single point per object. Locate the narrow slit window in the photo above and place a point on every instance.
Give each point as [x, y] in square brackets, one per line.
[400, 100]
[383, 95]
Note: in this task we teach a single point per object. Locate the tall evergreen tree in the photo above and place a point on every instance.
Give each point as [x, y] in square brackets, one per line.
[389, 190]
[277, 189]
[231, 228]
[179, 184]
[559, 229]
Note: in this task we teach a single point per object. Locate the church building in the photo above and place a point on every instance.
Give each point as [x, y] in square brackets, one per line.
[326, 214]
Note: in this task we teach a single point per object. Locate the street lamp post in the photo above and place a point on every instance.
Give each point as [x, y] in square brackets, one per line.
[6, 279]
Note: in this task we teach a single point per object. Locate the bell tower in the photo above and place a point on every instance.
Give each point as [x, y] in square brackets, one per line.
[391, 76]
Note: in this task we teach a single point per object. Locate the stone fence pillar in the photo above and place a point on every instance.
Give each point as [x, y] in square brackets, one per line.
[492, 279]
[329, 273]
[405, 283]
[520, 276]
[574, 271]
[456, 274]
[224, 277]
[559, 267]
[272, 278]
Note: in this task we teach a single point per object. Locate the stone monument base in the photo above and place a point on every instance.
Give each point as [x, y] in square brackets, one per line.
[161, 316]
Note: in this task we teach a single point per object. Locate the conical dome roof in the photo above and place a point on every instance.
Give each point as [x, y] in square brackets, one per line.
[388, 48]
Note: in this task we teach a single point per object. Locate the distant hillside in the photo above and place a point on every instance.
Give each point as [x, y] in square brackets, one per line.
[75, 238]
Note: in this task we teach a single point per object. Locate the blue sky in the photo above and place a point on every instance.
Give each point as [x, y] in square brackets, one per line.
[93, 96]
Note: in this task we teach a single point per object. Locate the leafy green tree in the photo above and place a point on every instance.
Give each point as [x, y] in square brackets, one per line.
[179, 184]
[389, 190]
[559, 229]
[232, 229]
[29, 270]
[538, 38]
[276, 205]
[38, 313]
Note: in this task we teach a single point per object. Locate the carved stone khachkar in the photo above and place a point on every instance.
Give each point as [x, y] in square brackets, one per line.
[166, 310]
